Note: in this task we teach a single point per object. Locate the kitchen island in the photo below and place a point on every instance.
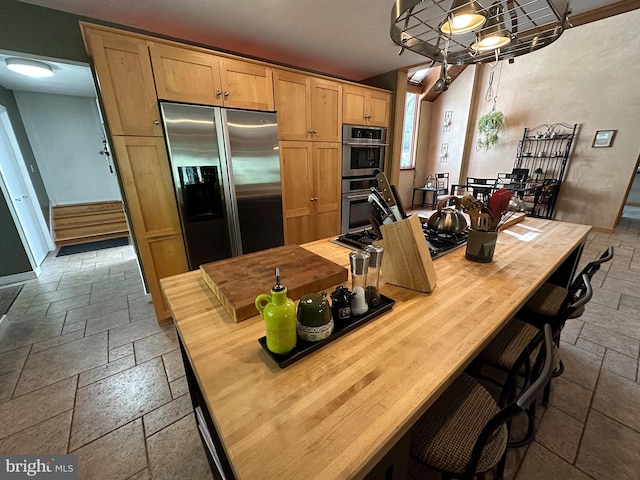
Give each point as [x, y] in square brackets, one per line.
[345, 410]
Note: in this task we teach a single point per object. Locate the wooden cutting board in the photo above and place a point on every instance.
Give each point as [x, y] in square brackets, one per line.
[238, 281]
[516, 218]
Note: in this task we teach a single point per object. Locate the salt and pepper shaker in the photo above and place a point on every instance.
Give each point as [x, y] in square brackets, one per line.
[359, 267]
[372, 290]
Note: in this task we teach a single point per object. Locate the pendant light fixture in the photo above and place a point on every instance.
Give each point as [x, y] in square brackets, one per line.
[31, 68]
[478, 33]
[494, 35]
[464, 16]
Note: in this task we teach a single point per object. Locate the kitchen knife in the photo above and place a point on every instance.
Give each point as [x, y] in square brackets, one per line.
[387, 194]
[386, 218]
[401, 208]
[382, 201]
[375, 226]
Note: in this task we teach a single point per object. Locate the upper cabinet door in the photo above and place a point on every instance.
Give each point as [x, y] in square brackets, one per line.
[246, 85]
[308, 108]
[366, 106]
[354, 99]
[186, 75]
[379, 108]
[126, 83]
[293, 104]
[326, 108]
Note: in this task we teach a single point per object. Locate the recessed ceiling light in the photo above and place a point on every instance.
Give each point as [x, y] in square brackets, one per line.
[31, 68]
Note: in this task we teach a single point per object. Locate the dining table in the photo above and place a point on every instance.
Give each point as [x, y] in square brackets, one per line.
[347, 409]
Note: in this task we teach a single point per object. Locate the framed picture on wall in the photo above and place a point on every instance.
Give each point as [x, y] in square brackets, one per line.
[604, 138]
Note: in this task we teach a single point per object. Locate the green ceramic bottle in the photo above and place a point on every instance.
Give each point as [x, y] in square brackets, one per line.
[279, 314]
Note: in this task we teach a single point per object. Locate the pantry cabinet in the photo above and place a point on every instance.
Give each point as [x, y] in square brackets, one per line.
[309, 108]
[148, 189]
[310, 190]
[193, 76]
[366, 106]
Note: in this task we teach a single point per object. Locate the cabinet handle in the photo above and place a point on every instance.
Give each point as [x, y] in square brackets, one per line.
[218, 93]
[314, 131]
[226, 94]
[156, 122]
[313, 199]
[310, 131]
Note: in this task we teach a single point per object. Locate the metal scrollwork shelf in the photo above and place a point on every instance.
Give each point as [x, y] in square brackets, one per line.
[544, 151]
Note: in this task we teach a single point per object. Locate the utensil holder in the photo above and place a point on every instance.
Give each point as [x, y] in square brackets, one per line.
[406, 261]
[480, 246]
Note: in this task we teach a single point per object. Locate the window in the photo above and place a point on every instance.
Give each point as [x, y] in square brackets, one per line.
[407, 155]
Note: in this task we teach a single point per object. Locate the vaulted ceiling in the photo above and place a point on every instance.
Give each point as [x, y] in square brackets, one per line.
[347, 39]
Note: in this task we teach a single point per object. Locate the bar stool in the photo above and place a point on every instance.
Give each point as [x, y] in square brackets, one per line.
[465, 432]
[549, 298]
[514, 349]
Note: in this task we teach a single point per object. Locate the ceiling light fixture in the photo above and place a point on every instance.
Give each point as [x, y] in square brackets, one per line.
[494, 35]
[463, 17]
[511, 28]
[31, 68]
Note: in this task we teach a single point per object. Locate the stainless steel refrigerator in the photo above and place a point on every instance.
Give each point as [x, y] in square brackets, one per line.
[226, 171]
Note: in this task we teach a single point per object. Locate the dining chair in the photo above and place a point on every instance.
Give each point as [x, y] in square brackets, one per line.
[481, 188]
[514, 349]
[465, 432]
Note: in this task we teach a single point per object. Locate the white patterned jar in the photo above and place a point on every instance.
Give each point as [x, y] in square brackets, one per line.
[314, 320]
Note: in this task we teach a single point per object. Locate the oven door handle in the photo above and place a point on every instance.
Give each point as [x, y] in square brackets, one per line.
[358, 195]
[354, 144]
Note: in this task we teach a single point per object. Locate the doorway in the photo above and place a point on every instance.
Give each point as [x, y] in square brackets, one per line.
[21, 197]
[630, 209]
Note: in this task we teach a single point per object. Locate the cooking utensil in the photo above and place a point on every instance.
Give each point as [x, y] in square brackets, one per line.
[504, 218]
[486, 222]
[498, 202]
[387, 194]
[449, 220]
[467, 201]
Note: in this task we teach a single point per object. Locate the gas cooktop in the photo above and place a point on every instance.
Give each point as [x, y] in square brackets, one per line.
[439, 243]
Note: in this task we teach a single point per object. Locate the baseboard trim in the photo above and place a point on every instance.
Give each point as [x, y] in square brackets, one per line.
[602, 230]
[18, 277]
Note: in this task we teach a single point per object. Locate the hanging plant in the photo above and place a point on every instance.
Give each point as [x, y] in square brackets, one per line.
[489, 125]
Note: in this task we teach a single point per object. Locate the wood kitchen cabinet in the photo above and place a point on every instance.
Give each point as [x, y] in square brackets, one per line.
[308, 108]
[310, 190]
[148, 189]
[365, 106]
[193, 76]
[126, 82]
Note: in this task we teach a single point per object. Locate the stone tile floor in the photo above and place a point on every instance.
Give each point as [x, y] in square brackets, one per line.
[86, 369]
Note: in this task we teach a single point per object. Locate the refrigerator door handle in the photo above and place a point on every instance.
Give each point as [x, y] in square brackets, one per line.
[232, 203]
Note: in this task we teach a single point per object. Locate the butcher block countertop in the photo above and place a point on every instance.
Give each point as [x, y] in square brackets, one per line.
[337, 412]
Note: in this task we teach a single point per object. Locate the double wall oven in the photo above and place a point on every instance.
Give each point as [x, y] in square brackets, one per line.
[363, 151]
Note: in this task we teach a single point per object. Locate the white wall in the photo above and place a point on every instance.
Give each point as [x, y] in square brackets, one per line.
[589, 76]
[66, 135]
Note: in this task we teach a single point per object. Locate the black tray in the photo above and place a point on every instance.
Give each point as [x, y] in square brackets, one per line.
[304, 348]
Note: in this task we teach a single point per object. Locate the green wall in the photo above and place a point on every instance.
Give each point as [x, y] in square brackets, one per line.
[38, 31]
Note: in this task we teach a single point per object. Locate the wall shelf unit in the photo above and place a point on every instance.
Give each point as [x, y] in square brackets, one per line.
[544, 150]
